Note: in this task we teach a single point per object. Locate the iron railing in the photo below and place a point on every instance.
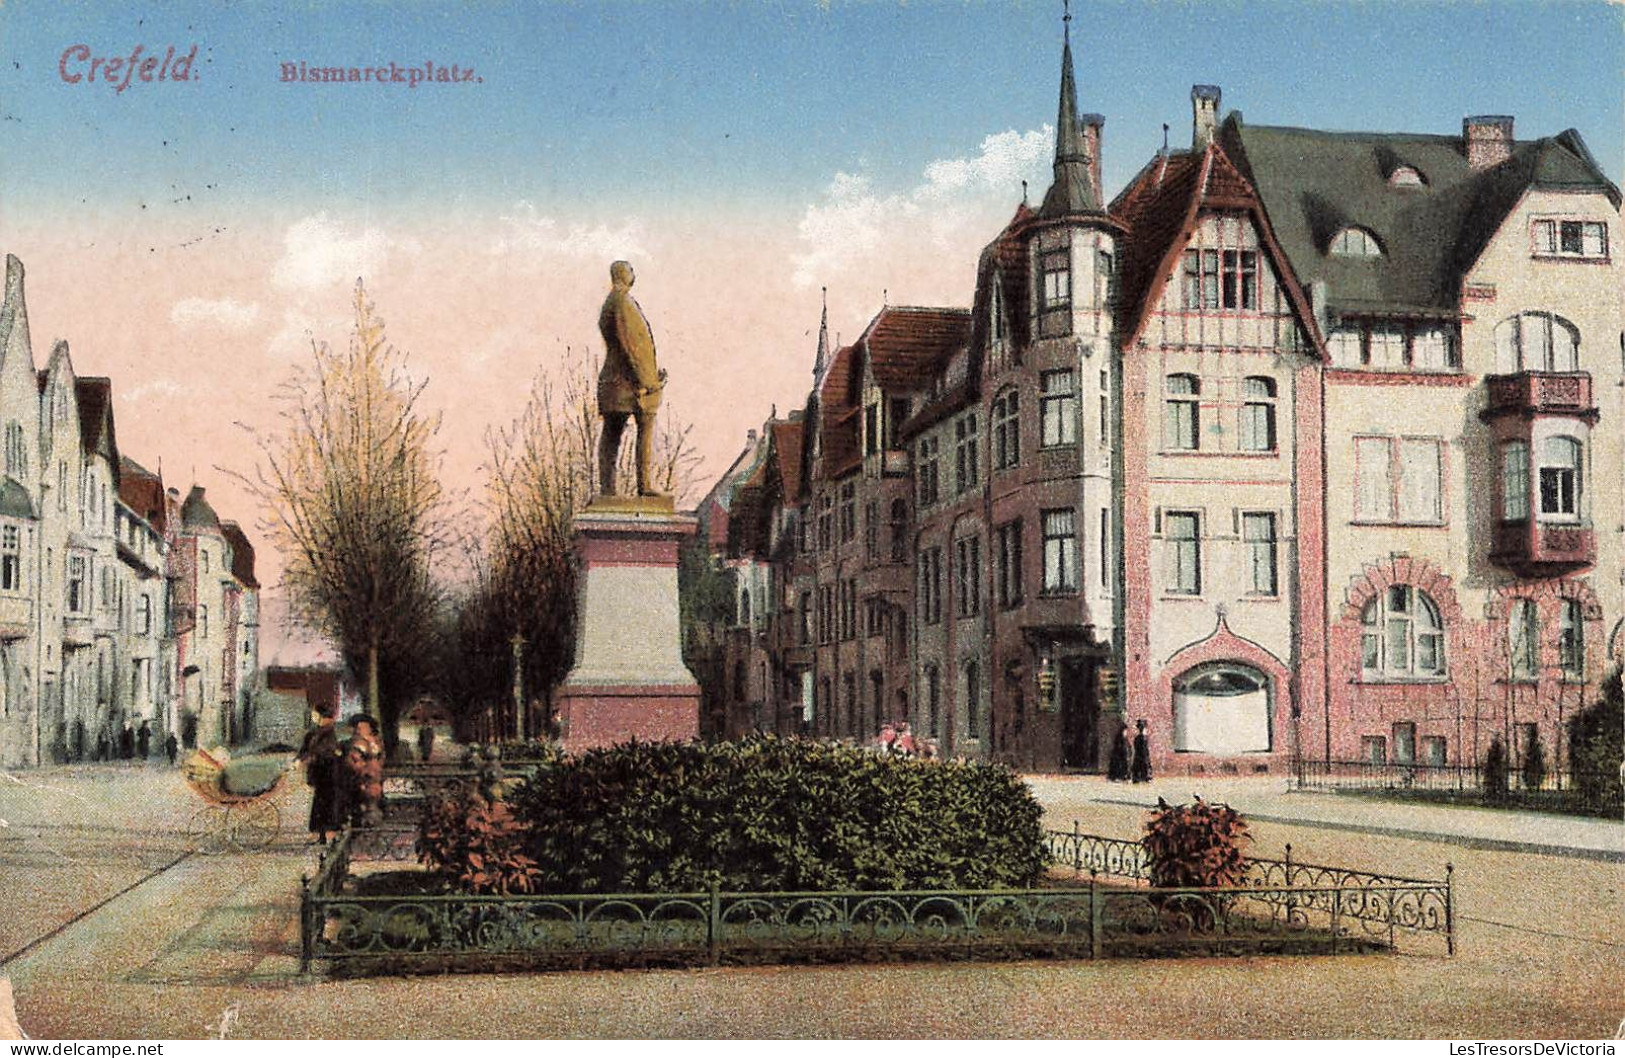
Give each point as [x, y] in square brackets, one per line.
[1568, 791]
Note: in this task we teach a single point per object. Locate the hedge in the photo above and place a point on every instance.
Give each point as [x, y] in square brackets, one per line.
[772, 814]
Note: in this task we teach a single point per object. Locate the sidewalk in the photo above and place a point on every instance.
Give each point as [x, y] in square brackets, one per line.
[1267, 799]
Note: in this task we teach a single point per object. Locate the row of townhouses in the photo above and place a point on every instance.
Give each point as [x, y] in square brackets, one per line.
[120, 603]
[1305, 446]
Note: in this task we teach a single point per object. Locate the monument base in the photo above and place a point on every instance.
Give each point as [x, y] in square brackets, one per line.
[629, 680]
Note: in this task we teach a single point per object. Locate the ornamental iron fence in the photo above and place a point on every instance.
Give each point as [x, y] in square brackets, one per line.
[1571, 792]
[1283, 907]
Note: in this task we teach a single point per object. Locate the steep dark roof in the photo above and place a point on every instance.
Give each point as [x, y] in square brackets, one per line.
[95, 393]
[1005, 257]
[838, 442]
[143, 492]
[242, 554]
[907, 346]
[1314, 184]
[1073, 189]
[787, 440]
[196, 514]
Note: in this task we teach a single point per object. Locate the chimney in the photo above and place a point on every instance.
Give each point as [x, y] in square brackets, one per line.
[1487, 139]
[1204, 115]
[1092, 124]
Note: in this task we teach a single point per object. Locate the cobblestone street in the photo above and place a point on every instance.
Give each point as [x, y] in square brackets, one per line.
[210, 944]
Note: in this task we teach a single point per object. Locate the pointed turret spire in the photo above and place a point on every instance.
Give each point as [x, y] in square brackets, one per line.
[1073, 190]
[822, 359]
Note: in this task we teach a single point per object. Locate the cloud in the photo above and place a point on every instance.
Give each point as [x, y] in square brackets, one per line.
[319, 252]
[956, 199]
[224, 312]
[531, 233]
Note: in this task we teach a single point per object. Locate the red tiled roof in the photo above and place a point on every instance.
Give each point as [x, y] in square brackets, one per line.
[1006, 257]
[142, 491]
[906, 346]
[787, 440]
[837, 436]
[242, 554]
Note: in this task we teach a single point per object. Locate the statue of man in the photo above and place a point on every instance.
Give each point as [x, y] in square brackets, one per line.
[629, 384]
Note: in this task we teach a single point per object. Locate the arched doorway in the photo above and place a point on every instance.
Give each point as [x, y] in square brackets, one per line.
[1222, 708]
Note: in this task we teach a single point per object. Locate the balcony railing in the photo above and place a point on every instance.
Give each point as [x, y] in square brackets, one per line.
[1535, 548]
[1531, 393]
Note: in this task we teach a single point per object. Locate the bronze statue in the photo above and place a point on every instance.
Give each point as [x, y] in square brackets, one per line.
[629, 383]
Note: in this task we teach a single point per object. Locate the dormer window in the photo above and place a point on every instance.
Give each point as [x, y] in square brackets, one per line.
[1406, 176]
[1571, 238]
[1355, 242]
[996, 309]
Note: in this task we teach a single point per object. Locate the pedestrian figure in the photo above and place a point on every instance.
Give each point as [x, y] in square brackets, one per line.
[126, 742]
[364, 760]
[103, 746]
[425, 742]
[143, 741]
[320, 754]
[172, 747]
[1140, 770]
[78, 739]
[1117, 766]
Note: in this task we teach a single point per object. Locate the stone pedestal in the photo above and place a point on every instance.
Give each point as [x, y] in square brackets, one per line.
[629, 680]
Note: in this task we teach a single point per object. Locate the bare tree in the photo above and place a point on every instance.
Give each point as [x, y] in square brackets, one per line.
[350, 488]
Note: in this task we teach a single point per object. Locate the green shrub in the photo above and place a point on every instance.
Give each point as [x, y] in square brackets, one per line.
[776, 814]
[1597, 744]
[1195, 845]
[475, 843]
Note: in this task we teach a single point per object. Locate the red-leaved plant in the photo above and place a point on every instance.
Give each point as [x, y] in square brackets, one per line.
[1195, 845]
[476, 844]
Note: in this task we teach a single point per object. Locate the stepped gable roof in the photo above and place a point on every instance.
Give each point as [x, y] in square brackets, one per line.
[197, 515]
[1006, 258]
[143, 492]
[1161, 208]
[14, 499]
[906, 346]
[1315, 183]
[787, 442]
[242, 554]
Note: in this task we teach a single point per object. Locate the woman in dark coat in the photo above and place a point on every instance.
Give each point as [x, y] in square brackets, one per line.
[1141, 769]
[1117, 766]
[320, 754]
[364, 762]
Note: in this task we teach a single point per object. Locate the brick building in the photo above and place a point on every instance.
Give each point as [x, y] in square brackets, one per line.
[1292, 448]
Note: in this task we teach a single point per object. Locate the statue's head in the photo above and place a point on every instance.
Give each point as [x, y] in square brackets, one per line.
[620, 274]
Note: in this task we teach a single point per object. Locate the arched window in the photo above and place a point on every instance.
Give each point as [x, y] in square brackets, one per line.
[744, 608]
[1355, 242]
[1222, 708]
[1182, 427]
[1523, 639]
[1406, 176]
[1560, 479]
[1536, 341]
[1403, 636]
[1006, 430]
[1258, 415]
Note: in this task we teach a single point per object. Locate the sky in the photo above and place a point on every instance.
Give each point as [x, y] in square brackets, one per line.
[190, 238]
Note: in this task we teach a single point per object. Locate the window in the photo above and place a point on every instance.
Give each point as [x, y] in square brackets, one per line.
[928, 471]
[1008, 563]
[849, 616]
[203, 559]
[1560, 479]
[1105, 548]
[826, 521]
[895, 421]
[1057, 267]
[1222, 708]
[1258, 415]
[1404, 742]
[1240, 279]
[1523, 631]
[1105, 409]
[1201, 287]
[1355, 242]
[1058, 408]
[1182, 427]
[16, 451]
[203, 622]
[1536, 341]
[995, 310]
[826, 614]
[871, 530]
[1374, 749]
[973, 700]
[1006, 430]
[1402, 635]
[1385, 346]
[1060, 552]
[1184, 542]
[1405, 176]
[931, 586]
[933, 697]
[899, 530]
[1515, 481]
[875, 610]
[1258, 534]
[78, 596]
[11, 560]
[1571, 650]
[1435, 751]
[804, 616]
[849, 512]
[1571, 238]
[968, 555]
[965, 453]
[871, 429]
[1399, 480]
